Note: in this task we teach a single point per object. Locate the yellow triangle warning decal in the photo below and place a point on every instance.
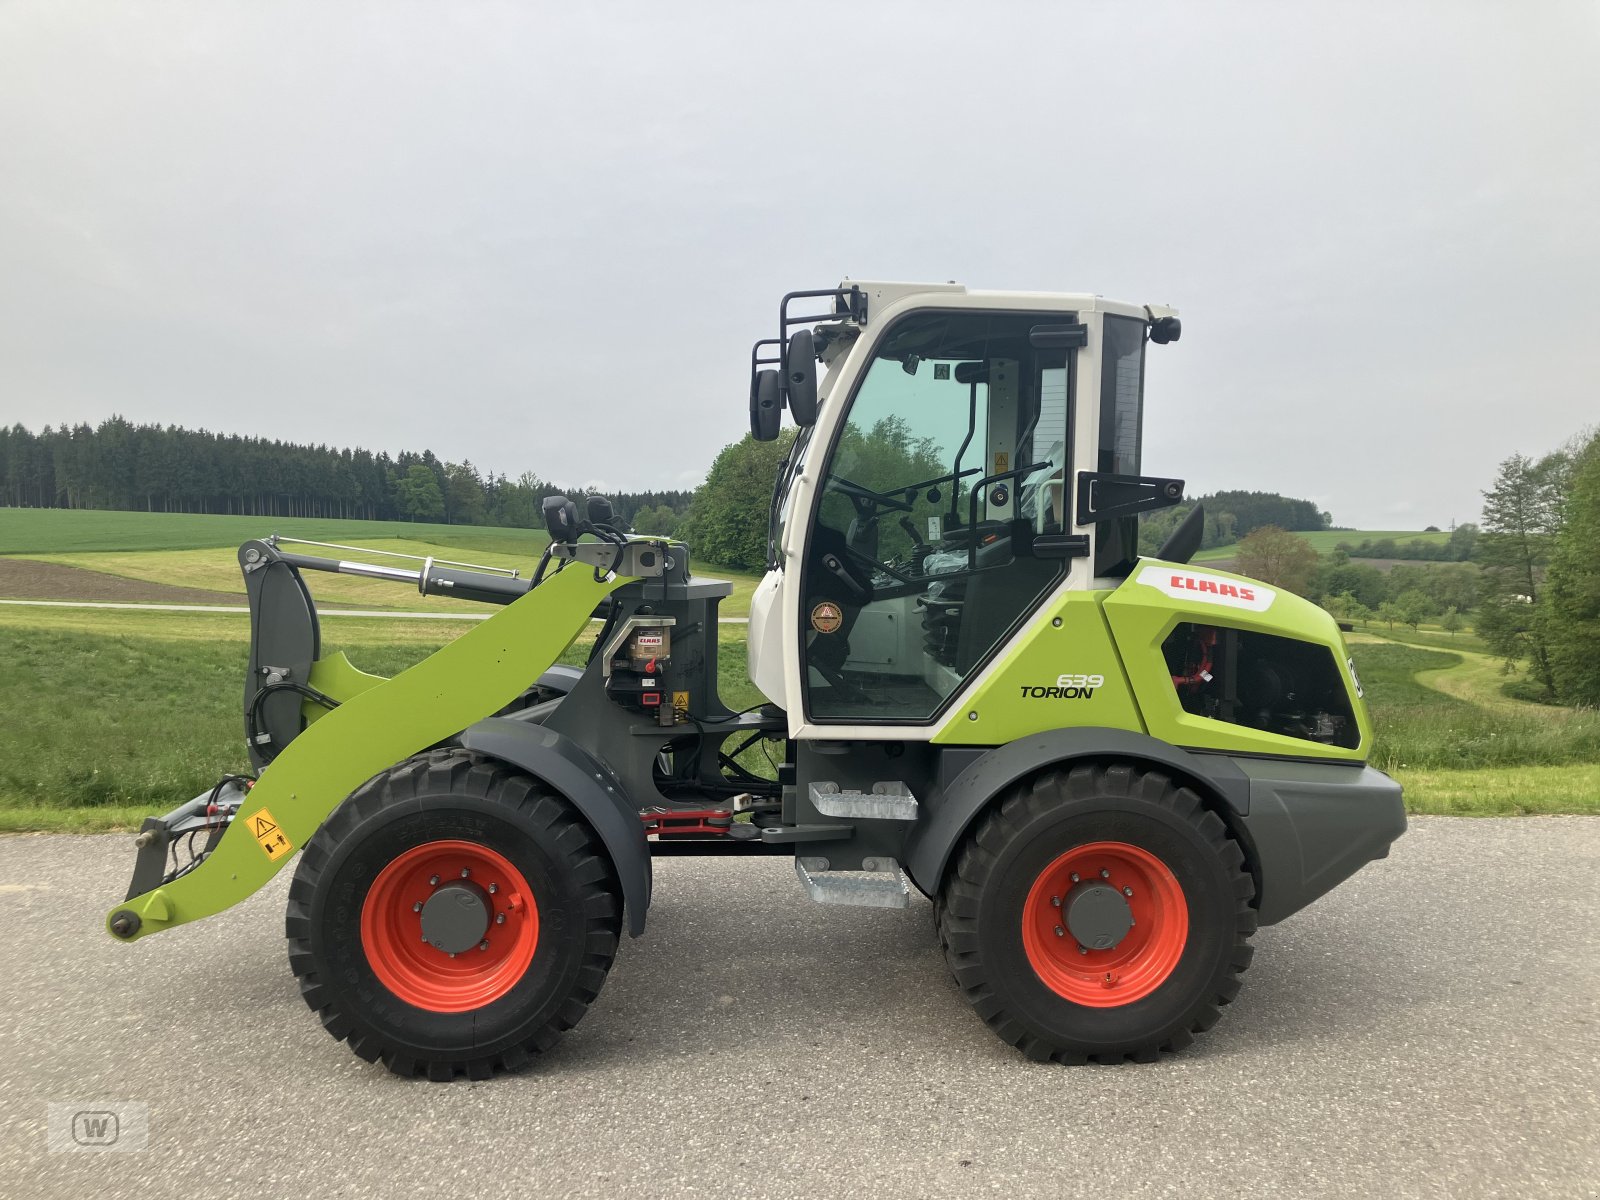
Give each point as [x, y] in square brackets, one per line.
[273, 841]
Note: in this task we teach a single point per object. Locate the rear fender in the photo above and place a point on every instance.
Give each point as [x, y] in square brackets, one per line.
[933, 840]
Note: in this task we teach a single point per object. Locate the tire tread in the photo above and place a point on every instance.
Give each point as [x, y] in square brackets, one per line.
[956, 908]
[454, 770]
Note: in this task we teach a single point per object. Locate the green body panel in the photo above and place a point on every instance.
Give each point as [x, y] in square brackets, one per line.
[338, 678]
[1009, 704]
[1118, 635]
[381, 723]
[1158, 596]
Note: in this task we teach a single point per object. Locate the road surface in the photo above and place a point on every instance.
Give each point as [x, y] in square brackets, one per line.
[1430, 1029]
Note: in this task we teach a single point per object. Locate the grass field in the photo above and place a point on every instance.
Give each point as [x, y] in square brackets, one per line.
[184, 550]
[107, 716]
[111, 716]
[1325, 541]
[1436, 710]
[58, 531]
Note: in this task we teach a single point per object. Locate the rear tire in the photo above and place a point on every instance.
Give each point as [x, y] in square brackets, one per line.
[553, 918]
[1187, 906]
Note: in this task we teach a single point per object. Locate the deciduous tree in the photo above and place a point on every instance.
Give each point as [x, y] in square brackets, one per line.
[1278, 557]
[1569, 618]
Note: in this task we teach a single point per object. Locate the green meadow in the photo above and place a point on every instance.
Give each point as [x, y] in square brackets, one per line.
[107, 716]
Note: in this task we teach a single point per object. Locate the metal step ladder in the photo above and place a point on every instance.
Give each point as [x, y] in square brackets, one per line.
[891, 801]
[881, 884]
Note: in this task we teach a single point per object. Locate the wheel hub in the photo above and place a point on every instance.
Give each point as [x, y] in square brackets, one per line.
[449, 925]
[1105, 924]
[456, 917]
[1098, 916]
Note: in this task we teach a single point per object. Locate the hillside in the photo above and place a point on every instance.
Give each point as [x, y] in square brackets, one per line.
[1325, 541]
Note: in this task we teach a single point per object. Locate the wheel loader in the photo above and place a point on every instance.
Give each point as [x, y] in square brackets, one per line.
[1105, 770]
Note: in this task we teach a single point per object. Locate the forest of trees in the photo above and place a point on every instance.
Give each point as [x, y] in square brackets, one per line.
[154, 468]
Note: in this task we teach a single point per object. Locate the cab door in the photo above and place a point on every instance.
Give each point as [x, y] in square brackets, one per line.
[942, 513]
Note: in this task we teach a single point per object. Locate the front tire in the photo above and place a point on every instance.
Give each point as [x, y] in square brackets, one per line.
[452, 917]
[1098, 913]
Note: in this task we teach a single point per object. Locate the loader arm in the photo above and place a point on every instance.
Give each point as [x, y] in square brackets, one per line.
[377, 724]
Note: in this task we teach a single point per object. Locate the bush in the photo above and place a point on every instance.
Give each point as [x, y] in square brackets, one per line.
[1530, 690]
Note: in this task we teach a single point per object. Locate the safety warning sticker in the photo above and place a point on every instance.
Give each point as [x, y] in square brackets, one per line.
[268, 834]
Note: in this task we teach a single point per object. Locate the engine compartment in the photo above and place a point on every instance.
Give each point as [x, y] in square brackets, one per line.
[1261, 681]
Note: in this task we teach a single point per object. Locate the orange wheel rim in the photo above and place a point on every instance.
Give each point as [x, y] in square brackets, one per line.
[1099, 876]
[419, 972]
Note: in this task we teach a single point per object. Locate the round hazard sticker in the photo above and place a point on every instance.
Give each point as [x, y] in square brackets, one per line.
[826, 617]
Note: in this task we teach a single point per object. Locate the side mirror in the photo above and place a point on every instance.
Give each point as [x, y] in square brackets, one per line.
[766, 406]
[800, 377]
[1184, 541]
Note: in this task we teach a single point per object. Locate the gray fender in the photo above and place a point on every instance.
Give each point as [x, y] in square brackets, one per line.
[593, 791]
[933, 839]
[561, 678]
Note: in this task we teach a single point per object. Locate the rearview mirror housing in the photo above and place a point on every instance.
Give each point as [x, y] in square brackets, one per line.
[766, 406]
[800, 378]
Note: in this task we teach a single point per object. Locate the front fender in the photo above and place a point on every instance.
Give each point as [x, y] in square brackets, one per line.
[569, 769]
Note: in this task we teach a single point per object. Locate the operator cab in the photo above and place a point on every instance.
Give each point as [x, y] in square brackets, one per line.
[966, 455]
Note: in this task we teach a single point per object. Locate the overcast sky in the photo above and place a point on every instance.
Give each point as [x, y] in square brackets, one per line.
[543, 236]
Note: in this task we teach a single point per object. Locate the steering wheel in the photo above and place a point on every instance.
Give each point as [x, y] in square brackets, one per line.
[864, 498]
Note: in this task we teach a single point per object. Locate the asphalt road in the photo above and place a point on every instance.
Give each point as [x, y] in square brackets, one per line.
[1430, 1029]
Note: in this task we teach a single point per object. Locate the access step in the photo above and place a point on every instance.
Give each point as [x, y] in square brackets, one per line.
[882, 885]
[891, 801]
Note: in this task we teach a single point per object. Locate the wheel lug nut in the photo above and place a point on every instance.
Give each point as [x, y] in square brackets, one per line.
[493, 888]
[500, 919]
[1104, 874]
[1074, 877]
[1056, 900]
[1083, 949]
[417, 907]
[1127, 891]
[1060, 932]
[433, 881]
[483, 945]
[466, 873]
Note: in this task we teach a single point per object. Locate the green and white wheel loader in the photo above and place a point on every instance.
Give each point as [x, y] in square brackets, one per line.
[1105, 770]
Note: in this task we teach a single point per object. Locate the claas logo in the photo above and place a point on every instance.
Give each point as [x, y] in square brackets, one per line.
[1216, 587]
